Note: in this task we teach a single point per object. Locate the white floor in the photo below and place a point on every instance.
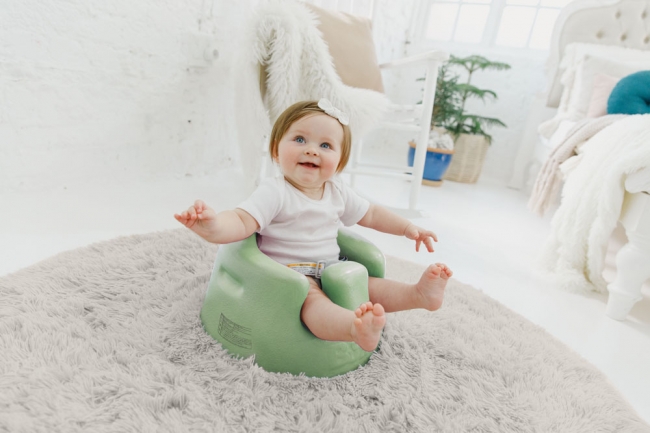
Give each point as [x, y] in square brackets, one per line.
[486, 235]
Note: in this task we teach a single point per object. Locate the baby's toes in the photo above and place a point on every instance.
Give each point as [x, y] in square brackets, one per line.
[379, 316]
[434, 270]
[446, 272]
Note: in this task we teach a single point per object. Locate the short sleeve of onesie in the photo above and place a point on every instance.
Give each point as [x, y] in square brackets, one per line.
[356, 206]
[265, 202]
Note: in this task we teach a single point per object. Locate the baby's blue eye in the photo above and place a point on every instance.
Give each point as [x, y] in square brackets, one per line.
[325, 146]
[299, 139]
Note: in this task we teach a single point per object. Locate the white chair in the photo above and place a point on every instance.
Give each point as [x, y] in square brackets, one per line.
[419, 121]
[415, 118]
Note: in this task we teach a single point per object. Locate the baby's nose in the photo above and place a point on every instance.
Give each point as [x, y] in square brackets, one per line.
[311, 150]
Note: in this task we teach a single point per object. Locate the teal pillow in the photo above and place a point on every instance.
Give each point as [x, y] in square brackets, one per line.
[631, 95]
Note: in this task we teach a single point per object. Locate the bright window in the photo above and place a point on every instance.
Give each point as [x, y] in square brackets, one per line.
[509, 23]
[515, 25]
[457, 21]
[471, 23]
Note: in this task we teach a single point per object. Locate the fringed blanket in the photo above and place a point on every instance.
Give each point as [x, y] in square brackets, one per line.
[549, 179]
[591, 203]
[283, 36]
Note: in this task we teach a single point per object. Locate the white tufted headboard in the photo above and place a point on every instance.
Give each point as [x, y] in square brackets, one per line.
[624, 23]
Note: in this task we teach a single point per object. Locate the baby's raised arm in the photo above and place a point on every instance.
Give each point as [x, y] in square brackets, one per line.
[219, 228]
[383, 220]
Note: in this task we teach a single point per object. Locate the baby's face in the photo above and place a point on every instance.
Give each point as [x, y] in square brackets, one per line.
[310, 151]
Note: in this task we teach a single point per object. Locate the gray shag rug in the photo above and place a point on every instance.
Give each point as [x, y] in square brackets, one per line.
[107, 338]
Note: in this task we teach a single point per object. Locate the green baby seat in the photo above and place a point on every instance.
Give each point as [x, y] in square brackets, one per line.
[253, 303]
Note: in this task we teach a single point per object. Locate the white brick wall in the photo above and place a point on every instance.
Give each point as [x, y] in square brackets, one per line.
[93, 90]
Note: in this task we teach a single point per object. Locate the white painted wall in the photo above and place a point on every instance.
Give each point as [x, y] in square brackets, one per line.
[93, 90]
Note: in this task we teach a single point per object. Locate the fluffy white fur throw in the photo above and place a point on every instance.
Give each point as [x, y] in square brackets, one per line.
[283, 36]
[591, 203]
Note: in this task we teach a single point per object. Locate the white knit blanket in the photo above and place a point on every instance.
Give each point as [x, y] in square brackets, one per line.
[591, 203]
[283, 35]
[549, 179]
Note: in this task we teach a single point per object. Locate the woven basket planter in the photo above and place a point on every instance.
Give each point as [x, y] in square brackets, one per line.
[469, 154]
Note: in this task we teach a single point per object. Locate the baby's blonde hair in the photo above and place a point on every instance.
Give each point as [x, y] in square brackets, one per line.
[296, 112]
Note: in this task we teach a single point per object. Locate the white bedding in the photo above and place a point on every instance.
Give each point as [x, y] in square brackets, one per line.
[560, 133]
[578, 67]
[591, 203]
[565, 145]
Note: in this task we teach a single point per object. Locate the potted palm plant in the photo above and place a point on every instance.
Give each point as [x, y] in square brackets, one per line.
[449, 115]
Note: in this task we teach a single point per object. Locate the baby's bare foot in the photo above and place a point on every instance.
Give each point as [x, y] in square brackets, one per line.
[431, 287]
[367, 326]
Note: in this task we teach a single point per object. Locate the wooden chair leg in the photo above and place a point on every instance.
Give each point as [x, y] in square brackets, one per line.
[418, 172]
[422, 140]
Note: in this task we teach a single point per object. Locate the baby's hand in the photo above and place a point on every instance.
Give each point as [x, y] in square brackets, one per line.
[199, 213]
[420, 235]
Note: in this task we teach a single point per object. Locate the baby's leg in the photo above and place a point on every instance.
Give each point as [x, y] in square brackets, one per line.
[426, 293]
[329, 321]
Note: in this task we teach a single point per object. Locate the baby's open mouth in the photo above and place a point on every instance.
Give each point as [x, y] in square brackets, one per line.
[308, 164]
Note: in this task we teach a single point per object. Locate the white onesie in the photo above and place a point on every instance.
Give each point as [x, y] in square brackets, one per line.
[295, 228]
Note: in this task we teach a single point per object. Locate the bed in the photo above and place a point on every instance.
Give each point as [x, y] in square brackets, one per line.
[600, 161]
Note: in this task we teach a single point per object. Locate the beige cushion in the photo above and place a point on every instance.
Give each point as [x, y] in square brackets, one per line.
[350, 43]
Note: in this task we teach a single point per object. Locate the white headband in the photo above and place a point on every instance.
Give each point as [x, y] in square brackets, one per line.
[331, 110]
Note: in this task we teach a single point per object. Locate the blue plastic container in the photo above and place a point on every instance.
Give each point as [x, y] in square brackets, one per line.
[436, 164]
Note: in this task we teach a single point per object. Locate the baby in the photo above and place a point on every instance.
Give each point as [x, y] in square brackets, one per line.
[298, 216]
